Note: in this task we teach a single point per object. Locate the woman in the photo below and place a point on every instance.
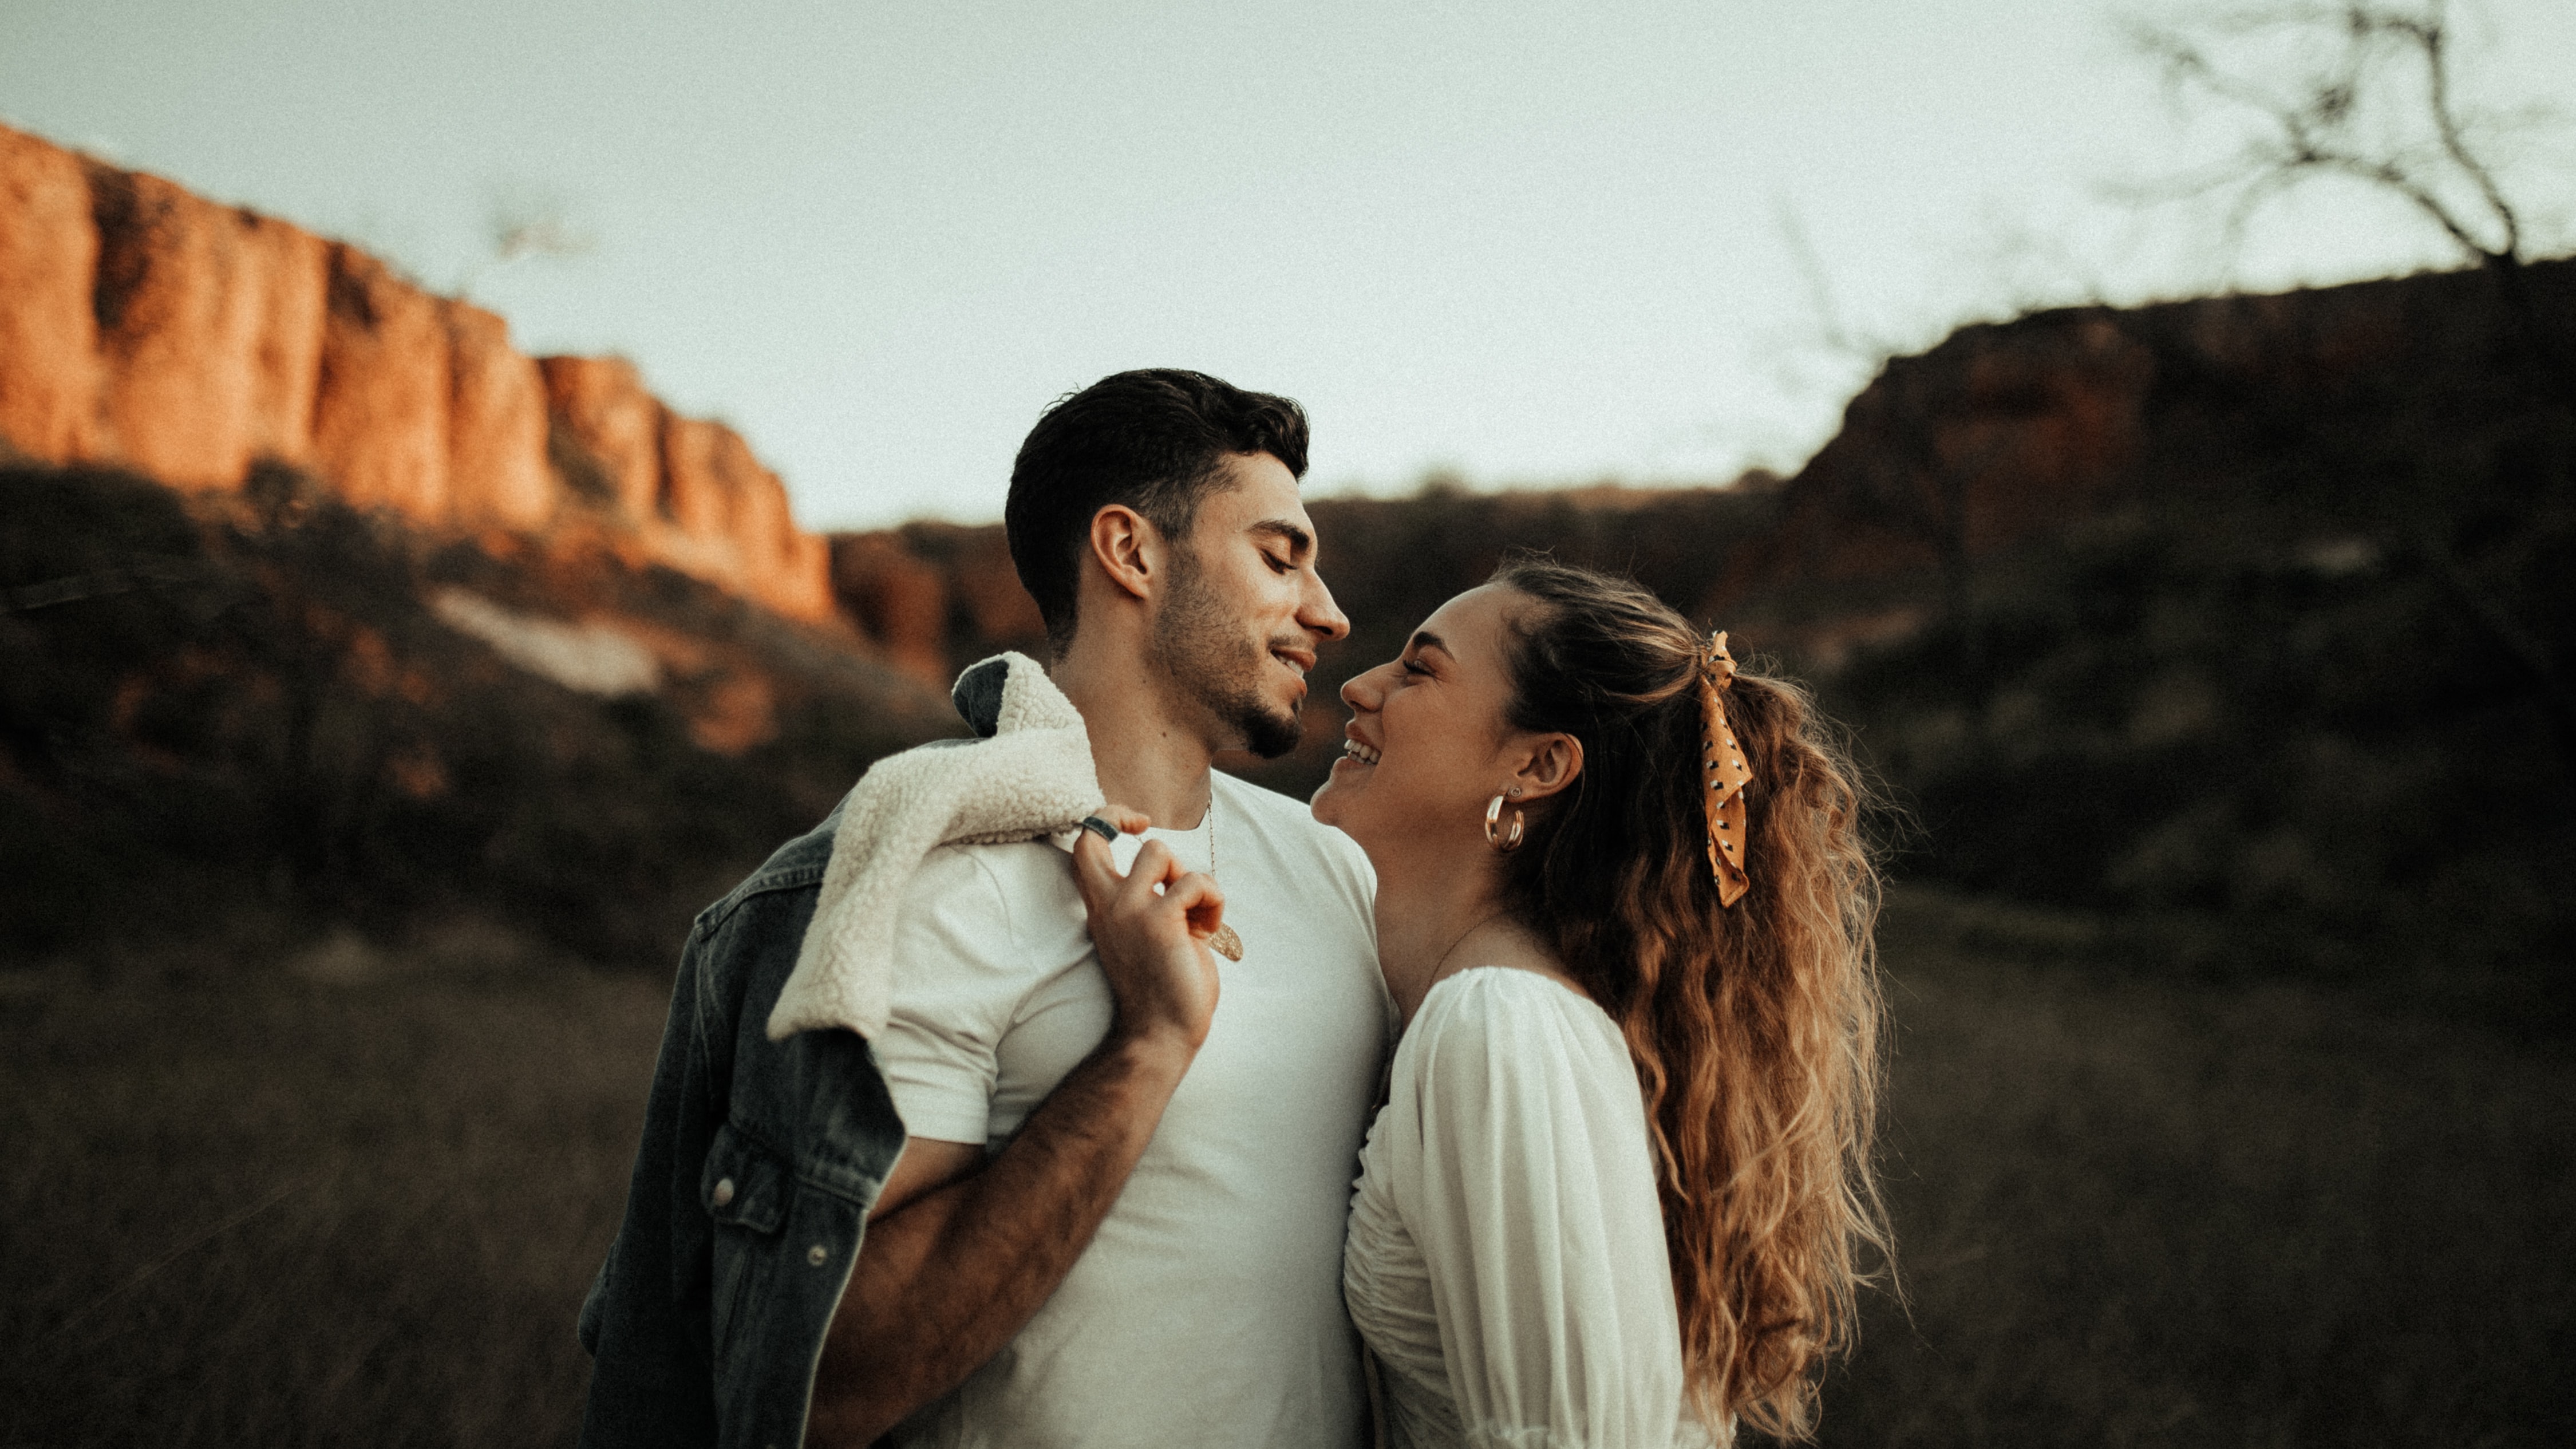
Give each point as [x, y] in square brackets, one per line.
[1620, 1186]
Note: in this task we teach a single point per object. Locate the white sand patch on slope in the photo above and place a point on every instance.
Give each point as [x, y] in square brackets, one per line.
[593, 657]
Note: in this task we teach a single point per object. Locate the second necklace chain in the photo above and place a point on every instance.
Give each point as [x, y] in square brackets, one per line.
[1225, 942]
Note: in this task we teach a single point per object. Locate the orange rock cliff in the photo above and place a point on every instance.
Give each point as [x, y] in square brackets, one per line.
[147, 327]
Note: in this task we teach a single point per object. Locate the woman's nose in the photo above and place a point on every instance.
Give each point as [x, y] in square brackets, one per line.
[1360, 691]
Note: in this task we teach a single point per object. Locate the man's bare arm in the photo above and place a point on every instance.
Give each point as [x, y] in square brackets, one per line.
[945, 1279]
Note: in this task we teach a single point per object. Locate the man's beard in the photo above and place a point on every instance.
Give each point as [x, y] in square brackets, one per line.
[1203, 650]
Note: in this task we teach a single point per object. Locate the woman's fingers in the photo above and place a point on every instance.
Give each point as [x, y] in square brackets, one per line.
[1128, 821]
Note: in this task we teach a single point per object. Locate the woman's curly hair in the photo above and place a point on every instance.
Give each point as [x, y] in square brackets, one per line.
[1755, 1028]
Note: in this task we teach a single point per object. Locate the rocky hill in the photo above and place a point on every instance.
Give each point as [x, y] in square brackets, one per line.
[147, 328]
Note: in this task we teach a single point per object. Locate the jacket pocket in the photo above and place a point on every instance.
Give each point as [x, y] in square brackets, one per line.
[744, 1190]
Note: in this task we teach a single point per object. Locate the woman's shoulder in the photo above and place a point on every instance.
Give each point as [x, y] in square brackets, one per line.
[1513, 989]
[1499, 1057]
[1508, 1012]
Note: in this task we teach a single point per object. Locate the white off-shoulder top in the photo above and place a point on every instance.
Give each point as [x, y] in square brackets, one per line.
[1506, 1258]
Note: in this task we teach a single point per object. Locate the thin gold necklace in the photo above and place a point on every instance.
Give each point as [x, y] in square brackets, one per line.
[1454, 943]
[1225, 942]
[1460, 941]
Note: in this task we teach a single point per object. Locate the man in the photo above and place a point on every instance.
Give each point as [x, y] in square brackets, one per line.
[1057, 1201]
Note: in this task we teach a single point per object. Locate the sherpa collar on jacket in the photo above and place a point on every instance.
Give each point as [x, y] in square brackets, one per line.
[1033, 777]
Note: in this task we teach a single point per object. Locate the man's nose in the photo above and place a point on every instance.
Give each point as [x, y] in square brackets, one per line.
[1320, 614]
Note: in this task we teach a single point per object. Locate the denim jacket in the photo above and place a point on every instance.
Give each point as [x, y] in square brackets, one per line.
[752, 1186]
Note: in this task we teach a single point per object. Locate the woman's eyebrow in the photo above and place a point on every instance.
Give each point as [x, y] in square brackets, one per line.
[1425, 639]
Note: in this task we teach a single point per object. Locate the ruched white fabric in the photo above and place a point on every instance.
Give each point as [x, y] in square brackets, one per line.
[1506, 1258]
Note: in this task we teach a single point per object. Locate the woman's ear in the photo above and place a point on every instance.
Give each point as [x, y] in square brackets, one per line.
[1553, 763]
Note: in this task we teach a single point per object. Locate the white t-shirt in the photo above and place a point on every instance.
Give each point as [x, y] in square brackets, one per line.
[1208, 1309]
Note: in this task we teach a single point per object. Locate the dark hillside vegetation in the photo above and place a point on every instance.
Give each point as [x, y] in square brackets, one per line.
[2298, 688]
[2264, 744]
[232, 725]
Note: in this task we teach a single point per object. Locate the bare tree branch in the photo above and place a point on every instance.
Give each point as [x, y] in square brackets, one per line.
[1830, 326]
[524, 223]
[2446, 120]
[2314, 127]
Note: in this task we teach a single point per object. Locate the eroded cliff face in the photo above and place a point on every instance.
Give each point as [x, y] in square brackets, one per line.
[2012, 431]
[149, 328]
[935, 596]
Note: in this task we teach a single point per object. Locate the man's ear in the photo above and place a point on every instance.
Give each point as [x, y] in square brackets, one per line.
[1128, 548]
[1554, 762]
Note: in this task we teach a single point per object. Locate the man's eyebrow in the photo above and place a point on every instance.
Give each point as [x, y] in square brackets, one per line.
[1299, 541]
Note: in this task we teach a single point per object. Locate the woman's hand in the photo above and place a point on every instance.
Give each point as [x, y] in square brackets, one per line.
[1152, 943]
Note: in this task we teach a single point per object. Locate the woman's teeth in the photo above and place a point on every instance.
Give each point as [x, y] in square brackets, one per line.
[1360, 752]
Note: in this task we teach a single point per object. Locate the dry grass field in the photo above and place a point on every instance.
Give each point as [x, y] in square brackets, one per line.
[342, 1206]
[356, 1200]
[2135, 1212]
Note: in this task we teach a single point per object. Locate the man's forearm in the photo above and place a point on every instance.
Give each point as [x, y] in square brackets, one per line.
[944, 1281]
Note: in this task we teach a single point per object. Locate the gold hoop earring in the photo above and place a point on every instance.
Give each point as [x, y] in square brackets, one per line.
[1495, 835]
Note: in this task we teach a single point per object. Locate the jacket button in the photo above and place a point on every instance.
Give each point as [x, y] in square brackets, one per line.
[724, 1191]
[818, 1255]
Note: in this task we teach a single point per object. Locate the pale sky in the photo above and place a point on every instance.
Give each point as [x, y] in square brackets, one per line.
[1531, 242]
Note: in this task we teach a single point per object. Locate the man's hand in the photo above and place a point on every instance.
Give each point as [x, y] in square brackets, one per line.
[1151, 929]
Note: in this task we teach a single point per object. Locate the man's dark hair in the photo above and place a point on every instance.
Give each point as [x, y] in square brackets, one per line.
[1155, 440]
